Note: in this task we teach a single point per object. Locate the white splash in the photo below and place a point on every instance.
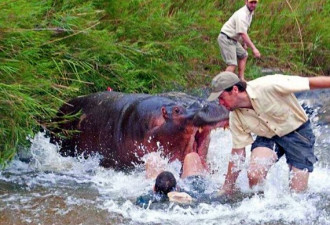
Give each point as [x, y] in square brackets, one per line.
[116, 191]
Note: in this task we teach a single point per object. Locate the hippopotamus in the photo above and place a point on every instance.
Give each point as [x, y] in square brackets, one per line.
[124, 127]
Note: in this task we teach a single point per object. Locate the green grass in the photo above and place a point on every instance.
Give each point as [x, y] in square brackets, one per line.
[51, 51]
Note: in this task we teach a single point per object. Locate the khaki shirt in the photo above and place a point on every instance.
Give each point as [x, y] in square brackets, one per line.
[238, 23]
[276, 110]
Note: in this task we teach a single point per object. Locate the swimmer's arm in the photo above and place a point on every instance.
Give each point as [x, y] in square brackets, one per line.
[319, 82]
[237, 157]
[179, 197]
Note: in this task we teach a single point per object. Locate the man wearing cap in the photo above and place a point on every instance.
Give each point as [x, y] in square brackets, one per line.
[232, 33]
[268, 108]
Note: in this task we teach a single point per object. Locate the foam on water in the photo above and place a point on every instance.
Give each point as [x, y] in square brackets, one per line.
[79, 184]
[116, 191]
[276, 204]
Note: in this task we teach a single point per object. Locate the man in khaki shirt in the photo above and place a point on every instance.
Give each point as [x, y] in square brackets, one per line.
[268, 108]
[232, 33]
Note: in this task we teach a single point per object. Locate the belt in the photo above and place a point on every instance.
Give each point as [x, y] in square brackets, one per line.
[228, 36]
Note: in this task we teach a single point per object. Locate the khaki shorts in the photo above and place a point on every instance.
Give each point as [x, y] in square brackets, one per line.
[231, 50]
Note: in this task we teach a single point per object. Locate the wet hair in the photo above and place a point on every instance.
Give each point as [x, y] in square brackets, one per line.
[165, 183]
[241, 85]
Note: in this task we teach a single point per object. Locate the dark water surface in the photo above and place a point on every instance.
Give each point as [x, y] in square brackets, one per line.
[52, 189]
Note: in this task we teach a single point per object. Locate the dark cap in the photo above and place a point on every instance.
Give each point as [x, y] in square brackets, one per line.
[221, 82]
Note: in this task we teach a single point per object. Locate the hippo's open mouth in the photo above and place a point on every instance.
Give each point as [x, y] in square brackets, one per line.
[210, 117]
[199, 141]
[202, 135]
[201, 138]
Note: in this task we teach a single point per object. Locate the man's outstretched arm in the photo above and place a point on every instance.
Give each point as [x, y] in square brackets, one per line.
[319, 82]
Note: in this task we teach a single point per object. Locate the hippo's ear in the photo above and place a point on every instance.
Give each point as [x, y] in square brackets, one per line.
[164, 112]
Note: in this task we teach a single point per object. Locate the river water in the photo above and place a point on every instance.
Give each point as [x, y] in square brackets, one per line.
[51, 189]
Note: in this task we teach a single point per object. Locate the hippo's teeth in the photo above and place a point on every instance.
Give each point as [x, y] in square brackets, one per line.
[200, 129]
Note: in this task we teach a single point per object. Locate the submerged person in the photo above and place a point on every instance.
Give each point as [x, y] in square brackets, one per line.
[165, 183]
[192, 187]
[268, 108]
[232, 33]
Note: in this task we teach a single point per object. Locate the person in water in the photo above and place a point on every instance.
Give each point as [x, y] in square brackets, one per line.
[268, 108]
[192, 188]
[165, 183]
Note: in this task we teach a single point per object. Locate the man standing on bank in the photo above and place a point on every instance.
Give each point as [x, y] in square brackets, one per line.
[268, 108]
[232, 33]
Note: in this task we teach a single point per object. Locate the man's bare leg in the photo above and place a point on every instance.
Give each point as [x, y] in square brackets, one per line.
[241, 67]
[298, 179]
[231, 68]
[262, 159]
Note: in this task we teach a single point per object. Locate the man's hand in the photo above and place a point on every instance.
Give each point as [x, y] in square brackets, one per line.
[256, 53]
[234, 168]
